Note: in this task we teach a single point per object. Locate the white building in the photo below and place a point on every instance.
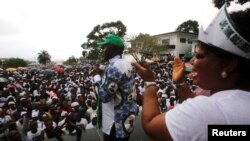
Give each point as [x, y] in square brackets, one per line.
[179, 43]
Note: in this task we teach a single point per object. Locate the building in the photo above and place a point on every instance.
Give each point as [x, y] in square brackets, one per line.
[178, 43]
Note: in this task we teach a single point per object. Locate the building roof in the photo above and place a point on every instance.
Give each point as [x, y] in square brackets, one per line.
[175, 32]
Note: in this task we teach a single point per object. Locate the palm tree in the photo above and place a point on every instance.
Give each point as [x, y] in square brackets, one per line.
[43, 57]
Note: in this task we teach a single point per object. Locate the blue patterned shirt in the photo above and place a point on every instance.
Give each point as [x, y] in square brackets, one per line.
[116, 95]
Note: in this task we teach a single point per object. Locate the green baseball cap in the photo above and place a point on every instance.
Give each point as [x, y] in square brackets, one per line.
[114, 40]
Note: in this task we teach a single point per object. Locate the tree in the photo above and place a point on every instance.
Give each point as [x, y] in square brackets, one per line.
[92, 54]
[220, 3]
[84, 53]
[188, 26]
[44, 57]
[98, 34]
[71, 60]
[1, 61]
[15, 62]
[145, 44]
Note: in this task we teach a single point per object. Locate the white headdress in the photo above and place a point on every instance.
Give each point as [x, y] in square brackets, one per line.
[223, 34]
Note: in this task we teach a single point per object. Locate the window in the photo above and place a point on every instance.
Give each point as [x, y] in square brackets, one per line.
[139, 44]
[189, 41]
[165, 41]
[183, 40]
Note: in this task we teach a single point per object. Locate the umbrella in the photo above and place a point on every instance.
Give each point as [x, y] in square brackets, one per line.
[59, 70]
[11, 69]
[22, 68]
[34, 70]
[47, 71]
[3, 80]
[188, 67]
[170, 62]
[86, 66]
[57, 66]
[67, 68]
[155, 59]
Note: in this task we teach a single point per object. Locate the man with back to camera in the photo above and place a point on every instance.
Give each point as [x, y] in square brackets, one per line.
[115, 91]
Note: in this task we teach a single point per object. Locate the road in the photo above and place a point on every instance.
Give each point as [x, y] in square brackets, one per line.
[94, 135]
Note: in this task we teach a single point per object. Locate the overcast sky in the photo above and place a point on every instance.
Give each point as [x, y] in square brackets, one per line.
[60, 26]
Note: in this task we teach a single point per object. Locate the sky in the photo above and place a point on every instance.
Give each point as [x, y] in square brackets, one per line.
[60, 26]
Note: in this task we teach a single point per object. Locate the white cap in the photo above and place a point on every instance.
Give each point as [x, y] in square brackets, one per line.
[22, 93]
[222, 33]
[164, 96]
[10, 96]
[79, 94]
[36, 94]
[23, 113]
[160, 91]
[74, 104]
[11, 102]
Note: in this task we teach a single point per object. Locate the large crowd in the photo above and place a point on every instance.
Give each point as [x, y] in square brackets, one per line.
[37, 107]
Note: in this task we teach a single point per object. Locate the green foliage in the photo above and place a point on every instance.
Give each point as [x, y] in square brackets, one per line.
[98, 34]
[95, 54]
[84, 53]
[71, 61]
[189, 27]
[15, 62]
[44, 57]
[219, 3]
[145, 44]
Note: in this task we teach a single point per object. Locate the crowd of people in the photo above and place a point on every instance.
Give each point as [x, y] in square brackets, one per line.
[35, 106]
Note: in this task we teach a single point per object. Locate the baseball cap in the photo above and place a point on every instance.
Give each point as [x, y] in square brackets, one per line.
[112, 40]
[74, 104]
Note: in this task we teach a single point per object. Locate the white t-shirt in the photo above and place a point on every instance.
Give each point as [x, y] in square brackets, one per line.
[83, 122]
[34, 136]
[190, 120]
[90, 126]
[40, 125]
[91, 111]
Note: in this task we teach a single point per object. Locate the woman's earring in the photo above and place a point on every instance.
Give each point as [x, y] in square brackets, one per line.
[223, 74]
